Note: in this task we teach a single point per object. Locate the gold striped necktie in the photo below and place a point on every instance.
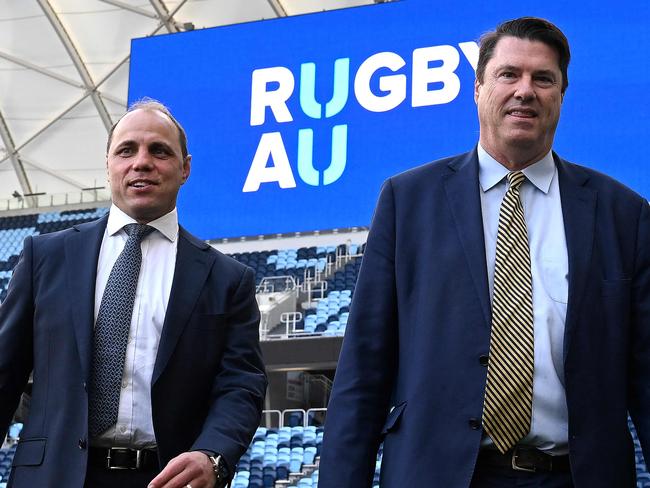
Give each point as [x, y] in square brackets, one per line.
[509, 389]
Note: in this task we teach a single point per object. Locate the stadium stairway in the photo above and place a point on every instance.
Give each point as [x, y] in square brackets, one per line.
[329, 316]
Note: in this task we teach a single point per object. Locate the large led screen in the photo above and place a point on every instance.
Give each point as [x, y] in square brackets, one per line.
[294, 123]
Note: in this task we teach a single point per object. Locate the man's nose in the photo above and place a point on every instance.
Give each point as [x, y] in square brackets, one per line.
[143, 161]
[525, 89]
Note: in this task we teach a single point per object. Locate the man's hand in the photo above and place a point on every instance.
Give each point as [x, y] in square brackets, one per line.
[193, 468]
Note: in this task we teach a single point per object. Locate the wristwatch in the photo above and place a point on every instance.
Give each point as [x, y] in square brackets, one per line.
[220, 470]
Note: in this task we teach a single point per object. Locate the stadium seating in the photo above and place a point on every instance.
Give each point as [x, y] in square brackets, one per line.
[287, 454]
[13, 231]
[329, 318]
[7, 452]
[642, 475]
[287, 262]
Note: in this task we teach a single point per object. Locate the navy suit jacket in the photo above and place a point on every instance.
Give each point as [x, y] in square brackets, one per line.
[208, 382]
[409, 372]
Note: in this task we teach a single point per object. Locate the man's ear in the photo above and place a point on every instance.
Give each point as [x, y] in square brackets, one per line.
[187, 167]
[477, 87]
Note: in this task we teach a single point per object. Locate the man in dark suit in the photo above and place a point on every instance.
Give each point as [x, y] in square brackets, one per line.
[500, 328]
[143, 340]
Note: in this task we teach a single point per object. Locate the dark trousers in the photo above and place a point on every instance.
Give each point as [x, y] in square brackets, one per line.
[120, 478]
[497, 477]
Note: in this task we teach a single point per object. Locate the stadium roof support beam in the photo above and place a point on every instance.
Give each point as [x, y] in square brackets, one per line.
[38, 69]
[13, 156]
[278, 8]
[78, 62]
[84, 96]
[56, 174]
[47, 126]
[165, 17]
[130, 8]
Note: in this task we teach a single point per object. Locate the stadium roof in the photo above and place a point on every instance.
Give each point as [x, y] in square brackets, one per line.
[64, 67]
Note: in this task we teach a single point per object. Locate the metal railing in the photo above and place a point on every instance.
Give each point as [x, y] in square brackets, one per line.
[44, 200]
[312, 416]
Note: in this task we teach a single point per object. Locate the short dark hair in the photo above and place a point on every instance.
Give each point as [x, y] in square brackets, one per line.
[151, 104]
[532, 29]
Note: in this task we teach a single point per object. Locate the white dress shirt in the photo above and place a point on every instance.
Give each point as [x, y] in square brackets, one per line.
[134, 427]
[540, 195]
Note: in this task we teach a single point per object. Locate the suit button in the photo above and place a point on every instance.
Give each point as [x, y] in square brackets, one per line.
[85, 386]
[82, 444]
[474, 424]
[483, 359]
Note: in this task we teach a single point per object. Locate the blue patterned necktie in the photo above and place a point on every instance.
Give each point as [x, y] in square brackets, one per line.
[112, 332]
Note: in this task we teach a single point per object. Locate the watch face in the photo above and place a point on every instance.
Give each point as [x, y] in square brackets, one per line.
[220, 468]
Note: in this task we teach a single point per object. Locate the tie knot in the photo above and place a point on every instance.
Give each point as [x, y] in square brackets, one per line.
[515, 178]
[138, 231]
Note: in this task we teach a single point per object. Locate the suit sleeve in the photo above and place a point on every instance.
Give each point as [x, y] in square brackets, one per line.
[367, 364]
[16, 337]
[238, 390]
[640, 367]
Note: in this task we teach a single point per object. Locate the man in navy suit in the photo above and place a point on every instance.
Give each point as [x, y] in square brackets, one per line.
[190, 381]
[417, 352]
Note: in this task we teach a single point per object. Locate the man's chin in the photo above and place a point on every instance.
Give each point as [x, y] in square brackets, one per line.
[523, 140]
[143, 212]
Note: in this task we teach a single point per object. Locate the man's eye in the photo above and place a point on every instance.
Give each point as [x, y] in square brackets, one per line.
[125, 151]
[159, 151]
[508, 75]
[545, 81]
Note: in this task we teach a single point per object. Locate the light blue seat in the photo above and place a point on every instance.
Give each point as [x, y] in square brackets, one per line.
[14, 430]
[310, 329]
[309, 455]
[295, 462]
[269, 460]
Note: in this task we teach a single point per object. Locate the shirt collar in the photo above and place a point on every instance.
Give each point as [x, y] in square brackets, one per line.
[167, 225]
[491, 172]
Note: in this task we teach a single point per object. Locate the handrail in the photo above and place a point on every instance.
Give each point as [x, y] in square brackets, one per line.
[271, 284]
[307, 415]
[311, 416]
[294, 410]
[267, 414]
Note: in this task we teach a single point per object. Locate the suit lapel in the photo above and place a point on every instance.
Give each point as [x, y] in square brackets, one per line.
[81, 253]
[193, 264]
[579, 213]
[462, 190]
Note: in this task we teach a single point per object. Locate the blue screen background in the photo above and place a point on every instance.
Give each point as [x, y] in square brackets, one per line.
[204, 76]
